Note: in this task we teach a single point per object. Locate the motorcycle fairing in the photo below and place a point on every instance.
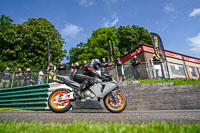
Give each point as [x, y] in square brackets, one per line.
[102, 89]
[86, 104]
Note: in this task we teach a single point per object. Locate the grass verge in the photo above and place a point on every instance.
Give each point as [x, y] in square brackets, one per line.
[153, 81]
[11, 109]
[176, 82]
[84, 127]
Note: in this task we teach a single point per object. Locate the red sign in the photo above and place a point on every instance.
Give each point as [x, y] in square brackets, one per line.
[148, 49]
[173, 55]
[131, 54]
[191, 59]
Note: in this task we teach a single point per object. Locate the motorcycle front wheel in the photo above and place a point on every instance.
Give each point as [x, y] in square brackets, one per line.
[55, 102]
[115, 105]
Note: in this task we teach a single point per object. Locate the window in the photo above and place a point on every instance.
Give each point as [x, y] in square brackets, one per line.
[177, 69]
[192, 71]
[199, 71]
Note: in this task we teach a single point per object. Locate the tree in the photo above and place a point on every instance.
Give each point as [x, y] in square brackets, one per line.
[41, 33]
[96, 46]
[75, 52]
[132, 37]
[25, 45]
[5, 26]
[5, 20]
[2, 66]
[125, 39]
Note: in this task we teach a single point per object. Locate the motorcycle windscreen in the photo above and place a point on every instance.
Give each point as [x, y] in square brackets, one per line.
[102, 89]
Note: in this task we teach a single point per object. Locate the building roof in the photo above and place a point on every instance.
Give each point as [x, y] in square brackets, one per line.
[150, 49]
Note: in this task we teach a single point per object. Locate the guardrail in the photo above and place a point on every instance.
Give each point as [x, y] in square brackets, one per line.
[27, 97]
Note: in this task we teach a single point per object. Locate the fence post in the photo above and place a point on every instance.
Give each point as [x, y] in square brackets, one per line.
[153, 69]
[12, 79]
[47, 78]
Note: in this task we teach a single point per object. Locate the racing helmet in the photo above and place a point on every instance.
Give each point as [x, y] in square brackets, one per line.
[96, 63]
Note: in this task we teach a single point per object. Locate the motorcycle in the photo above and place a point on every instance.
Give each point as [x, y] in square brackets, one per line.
[61, 100]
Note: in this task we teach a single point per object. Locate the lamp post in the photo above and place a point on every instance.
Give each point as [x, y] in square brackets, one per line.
[48, 54]
[48, 58]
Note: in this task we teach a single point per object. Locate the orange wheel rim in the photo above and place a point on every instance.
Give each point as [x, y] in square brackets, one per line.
[56, 103]
[114, 105]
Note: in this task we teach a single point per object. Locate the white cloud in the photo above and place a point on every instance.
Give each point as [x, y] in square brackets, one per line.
[156, 22]
[169, 8]
[165, 27]
[195, 12]
[111, 22]
[113, 1]
[172, 19]
[71, 30]
[21, 20]
[27, 8]
[87, 3]
[195, 43]
[168, 23]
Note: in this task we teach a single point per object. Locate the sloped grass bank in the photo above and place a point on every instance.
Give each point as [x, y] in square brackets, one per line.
[95, 127]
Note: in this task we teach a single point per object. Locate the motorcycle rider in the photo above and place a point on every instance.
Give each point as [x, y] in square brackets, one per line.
[86, 74]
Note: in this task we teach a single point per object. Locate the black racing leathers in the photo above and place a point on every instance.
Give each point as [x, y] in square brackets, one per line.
[85, 76]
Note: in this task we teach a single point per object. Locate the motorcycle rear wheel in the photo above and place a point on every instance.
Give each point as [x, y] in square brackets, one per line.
[115, 106]
[57, 105]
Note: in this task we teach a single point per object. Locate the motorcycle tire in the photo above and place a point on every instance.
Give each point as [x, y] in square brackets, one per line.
[114, 106]
[56, 105]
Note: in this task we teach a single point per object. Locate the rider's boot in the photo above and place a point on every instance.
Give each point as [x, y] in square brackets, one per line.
[79, 94]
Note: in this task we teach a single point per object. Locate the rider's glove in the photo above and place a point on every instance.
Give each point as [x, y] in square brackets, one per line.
[103, 78]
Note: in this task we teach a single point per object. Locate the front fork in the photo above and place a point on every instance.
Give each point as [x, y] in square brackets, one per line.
[114, 96]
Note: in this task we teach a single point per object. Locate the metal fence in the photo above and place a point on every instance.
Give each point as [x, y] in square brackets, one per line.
[145, 70]
[25, 79]
[127, 71]
[156, 70]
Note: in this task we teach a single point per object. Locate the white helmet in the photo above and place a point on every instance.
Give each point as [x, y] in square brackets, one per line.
[96, 63]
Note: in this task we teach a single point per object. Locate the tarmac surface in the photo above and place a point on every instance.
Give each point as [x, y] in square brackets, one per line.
[179, 116]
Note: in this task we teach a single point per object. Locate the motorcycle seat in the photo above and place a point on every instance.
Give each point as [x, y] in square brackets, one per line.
[68, 81]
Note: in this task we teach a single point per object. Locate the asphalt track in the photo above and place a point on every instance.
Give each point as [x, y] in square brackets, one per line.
[179, 116]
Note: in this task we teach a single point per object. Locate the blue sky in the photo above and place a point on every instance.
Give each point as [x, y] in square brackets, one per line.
[176, 21]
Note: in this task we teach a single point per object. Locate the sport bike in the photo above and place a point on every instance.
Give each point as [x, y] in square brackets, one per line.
[103, 92]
